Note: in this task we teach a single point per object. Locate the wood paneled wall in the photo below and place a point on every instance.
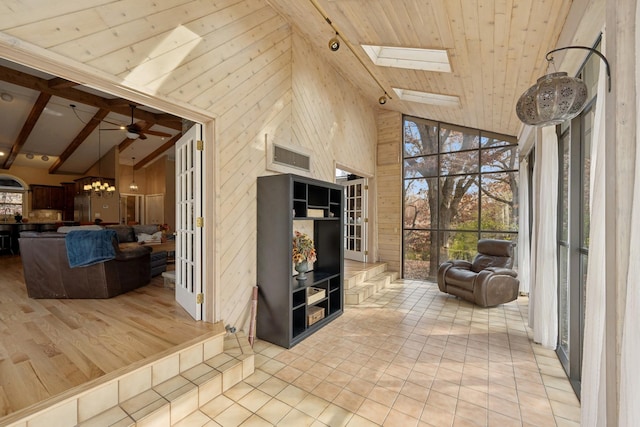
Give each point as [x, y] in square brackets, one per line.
[389, 184]
[237, 59]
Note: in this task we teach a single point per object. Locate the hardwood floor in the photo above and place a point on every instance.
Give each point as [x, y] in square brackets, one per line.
[48, 346]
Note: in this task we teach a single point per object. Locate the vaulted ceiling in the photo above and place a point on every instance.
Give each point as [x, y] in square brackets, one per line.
[496, 49]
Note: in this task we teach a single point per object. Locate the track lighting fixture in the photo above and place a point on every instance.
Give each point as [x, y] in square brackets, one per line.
[338, 39]
[334, 43]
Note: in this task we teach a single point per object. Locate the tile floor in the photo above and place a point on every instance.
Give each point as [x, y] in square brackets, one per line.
[408, 356]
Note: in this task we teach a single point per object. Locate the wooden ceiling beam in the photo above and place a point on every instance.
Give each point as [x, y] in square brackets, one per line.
[79, 139]
[79, 96]
[27, 128]
[164, 147]
[60, 83]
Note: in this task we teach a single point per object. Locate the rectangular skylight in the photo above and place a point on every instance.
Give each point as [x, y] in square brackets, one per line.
[411, 58]
[427, 98]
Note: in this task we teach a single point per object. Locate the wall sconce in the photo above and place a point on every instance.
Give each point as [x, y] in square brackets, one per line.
[556, 97]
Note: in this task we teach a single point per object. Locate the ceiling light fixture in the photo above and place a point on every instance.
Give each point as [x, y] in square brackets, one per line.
[6, 97]
[334, 43]
[556, 97]
[351, 48]
[97, 187]
[382, 100]
[29, 156]
[44, 158]
[133, 186]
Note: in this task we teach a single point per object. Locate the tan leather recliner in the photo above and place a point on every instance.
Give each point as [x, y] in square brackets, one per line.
[488, 280]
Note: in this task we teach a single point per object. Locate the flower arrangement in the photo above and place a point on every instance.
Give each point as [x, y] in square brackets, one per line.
[303, 249]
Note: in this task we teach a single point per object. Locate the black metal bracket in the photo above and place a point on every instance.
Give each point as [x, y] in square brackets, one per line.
[590, 49]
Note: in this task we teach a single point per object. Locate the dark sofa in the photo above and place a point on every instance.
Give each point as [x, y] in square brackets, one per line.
[129, 234]
[47, 273]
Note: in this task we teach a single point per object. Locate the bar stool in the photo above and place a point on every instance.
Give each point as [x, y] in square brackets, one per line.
[5, 238]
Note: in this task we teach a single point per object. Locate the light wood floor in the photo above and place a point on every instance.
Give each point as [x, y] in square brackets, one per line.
[48, 346]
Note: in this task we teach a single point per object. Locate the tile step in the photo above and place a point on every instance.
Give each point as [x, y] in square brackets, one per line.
[366, 289]
[364, 275]
[169, 402]
[160, 392]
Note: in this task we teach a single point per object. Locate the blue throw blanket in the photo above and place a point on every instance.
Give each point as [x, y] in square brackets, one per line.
[88, 247]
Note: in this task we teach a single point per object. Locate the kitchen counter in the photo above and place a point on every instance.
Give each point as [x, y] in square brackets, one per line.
[40, 226]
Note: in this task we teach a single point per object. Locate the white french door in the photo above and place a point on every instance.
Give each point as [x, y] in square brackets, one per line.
[356, 219]
[189, 226]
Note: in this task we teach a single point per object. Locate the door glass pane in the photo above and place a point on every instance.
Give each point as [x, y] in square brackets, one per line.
[563, 299]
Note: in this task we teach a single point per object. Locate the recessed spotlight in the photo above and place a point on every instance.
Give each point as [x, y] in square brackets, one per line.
[6, 97]
[45, 158]
[334, 44]
[29, 156]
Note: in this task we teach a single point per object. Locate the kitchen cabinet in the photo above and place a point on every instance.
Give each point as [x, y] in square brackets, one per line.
[47, 197]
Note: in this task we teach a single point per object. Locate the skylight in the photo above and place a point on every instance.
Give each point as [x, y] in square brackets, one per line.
[427, 98]
[411, 58]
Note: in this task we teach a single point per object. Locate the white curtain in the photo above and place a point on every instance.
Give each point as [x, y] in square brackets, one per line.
[524, 252]
[543, 304]
[593, 390]
[630, 346]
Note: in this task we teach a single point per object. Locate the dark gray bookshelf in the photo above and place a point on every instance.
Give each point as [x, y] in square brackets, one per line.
[283, 308]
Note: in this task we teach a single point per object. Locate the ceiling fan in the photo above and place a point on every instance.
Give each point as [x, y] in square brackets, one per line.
[134, 130]
[138, 130]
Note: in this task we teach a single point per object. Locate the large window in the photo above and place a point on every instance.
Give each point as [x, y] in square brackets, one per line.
[11, 199]
[460, 185]
[574, 140]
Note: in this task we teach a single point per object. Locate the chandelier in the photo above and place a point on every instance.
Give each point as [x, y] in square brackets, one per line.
[133, 186]
[555, 97]
[99, 186]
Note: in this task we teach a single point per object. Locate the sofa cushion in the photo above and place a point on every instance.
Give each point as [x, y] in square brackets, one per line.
[124, 233]
[150, 238]
[144, 228]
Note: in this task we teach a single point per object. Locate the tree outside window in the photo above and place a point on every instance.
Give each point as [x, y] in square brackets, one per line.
[460, 185]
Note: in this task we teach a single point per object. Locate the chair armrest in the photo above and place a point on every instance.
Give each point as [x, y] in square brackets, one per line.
[495, 285]
[460, 263]
[132, 252]
[502, 271]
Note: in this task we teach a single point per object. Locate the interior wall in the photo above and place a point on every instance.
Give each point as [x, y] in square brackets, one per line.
[389, 183]
[232, 59]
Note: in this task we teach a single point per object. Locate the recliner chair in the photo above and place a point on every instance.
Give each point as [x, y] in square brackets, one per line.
[488, 280]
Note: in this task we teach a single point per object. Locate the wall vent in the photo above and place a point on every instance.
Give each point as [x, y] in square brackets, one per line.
[287, 157]
[288, 160]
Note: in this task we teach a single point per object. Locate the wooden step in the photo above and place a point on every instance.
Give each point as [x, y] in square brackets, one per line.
[158, 392]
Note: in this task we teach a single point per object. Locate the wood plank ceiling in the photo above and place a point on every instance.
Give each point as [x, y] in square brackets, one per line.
[496, 48]
[37, 107]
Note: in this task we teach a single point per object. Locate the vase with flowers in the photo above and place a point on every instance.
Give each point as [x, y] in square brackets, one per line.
[304, 253]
